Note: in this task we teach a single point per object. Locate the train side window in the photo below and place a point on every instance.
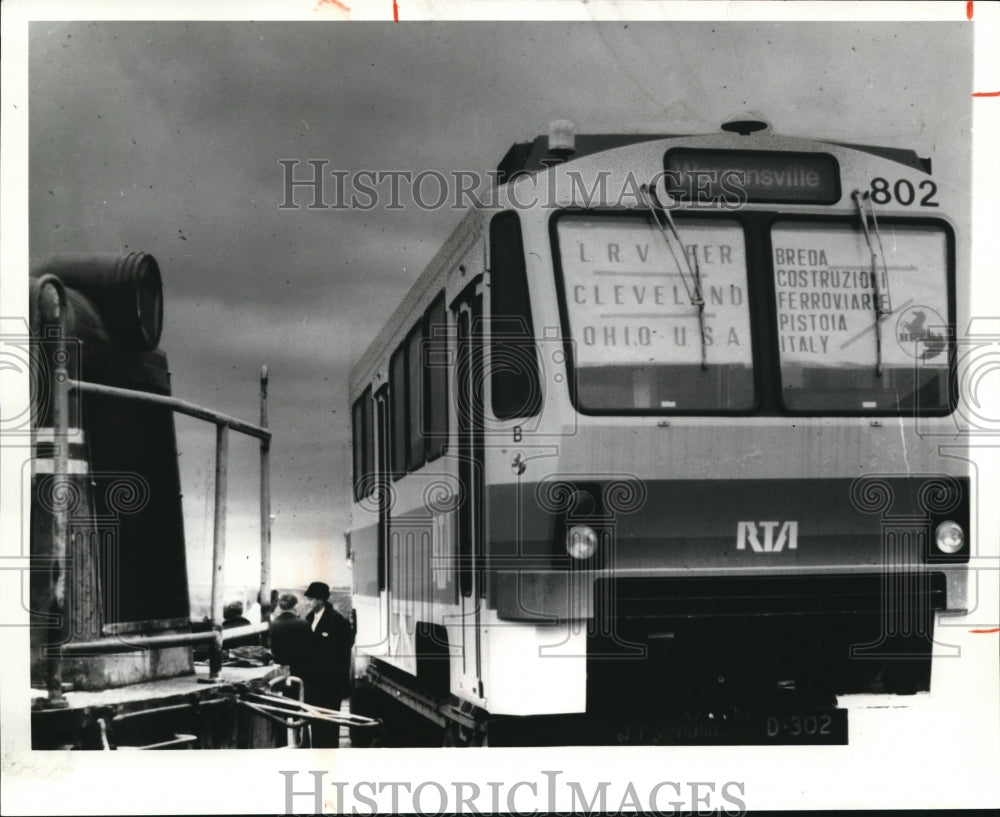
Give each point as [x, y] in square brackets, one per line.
[514, 375]
[397, 410]
[364, 444]
[357, 434]
[415, 399]
[369, 413]
[435, 373]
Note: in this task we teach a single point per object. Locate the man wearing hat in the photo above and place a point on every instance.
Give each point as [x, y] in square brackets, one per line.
[328, 668]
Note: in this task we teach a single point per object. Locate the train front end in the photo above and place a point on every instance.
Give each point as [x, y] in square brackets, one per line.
[716, 488]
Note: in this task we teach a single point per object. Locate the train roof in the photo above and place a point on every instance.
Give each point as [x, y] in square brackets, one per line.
[534, 156]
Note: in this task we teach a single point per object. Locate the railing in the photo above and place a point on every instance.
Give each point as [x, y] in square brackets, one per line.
[294, 714]
[61, 386]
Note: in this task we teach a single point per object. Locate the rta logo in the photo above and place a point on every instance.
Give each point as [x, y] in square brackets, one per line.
[752, 532]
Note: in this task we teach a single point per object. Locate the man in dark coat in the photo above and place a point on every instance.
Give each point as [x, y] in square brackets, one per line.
[289, 636]
[327, 677]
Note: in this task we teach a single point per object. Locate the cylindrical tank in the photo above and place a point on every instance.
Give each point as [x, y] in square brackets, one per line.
[125, 289]
[121, 492]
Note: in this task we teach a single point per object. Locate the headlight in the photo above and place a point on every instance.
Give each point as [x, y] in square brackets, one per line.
[581, 542]
[949, 537]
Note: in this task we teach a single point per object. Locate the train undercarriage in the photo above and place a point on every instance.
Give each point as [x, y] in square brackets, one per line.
[687, 662]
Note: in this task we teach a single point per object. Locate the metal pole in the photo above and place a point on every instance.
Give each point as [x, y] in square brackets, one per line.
[219, 545]
[60, 423]
[293, 734]
[139, 642]
[265, 505]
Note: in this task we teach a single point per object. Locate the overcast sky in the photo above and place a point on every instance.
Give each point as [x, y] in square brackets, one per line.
[166, 137]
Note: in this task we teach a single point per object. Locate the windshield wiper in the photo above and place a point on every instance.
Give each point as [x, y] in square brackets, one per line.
[694, 288]
[881, 312]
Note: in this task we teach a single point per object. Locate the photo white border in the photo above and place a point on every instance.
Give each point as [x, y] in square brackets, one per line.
[959, 773]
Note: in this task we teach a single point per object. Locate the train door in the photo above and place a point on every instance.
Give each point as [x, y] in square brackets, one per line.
[467, 312]
[383, 482]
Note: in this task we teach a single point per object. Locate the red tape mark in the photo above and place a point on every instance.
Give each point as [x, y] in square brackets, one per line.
[968, 10]
[990, 630]
[395, 11]
[987, 93]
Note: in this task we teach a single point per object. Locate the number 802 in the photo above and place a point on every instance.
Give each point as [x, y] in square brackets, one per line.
[903, 192]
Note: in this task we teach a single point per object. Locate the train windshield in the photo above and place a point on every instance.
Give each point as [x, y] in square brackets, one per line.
[862, 318]
[656, 325]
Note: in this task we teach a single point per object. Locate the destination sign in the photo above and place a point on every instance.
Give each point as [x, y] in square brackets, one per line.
[827, 296]
[737, 176]
[627, 291]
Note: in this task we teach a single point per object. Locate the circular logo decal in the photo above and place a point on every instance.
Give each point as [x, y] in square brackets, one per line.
[922, 333]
